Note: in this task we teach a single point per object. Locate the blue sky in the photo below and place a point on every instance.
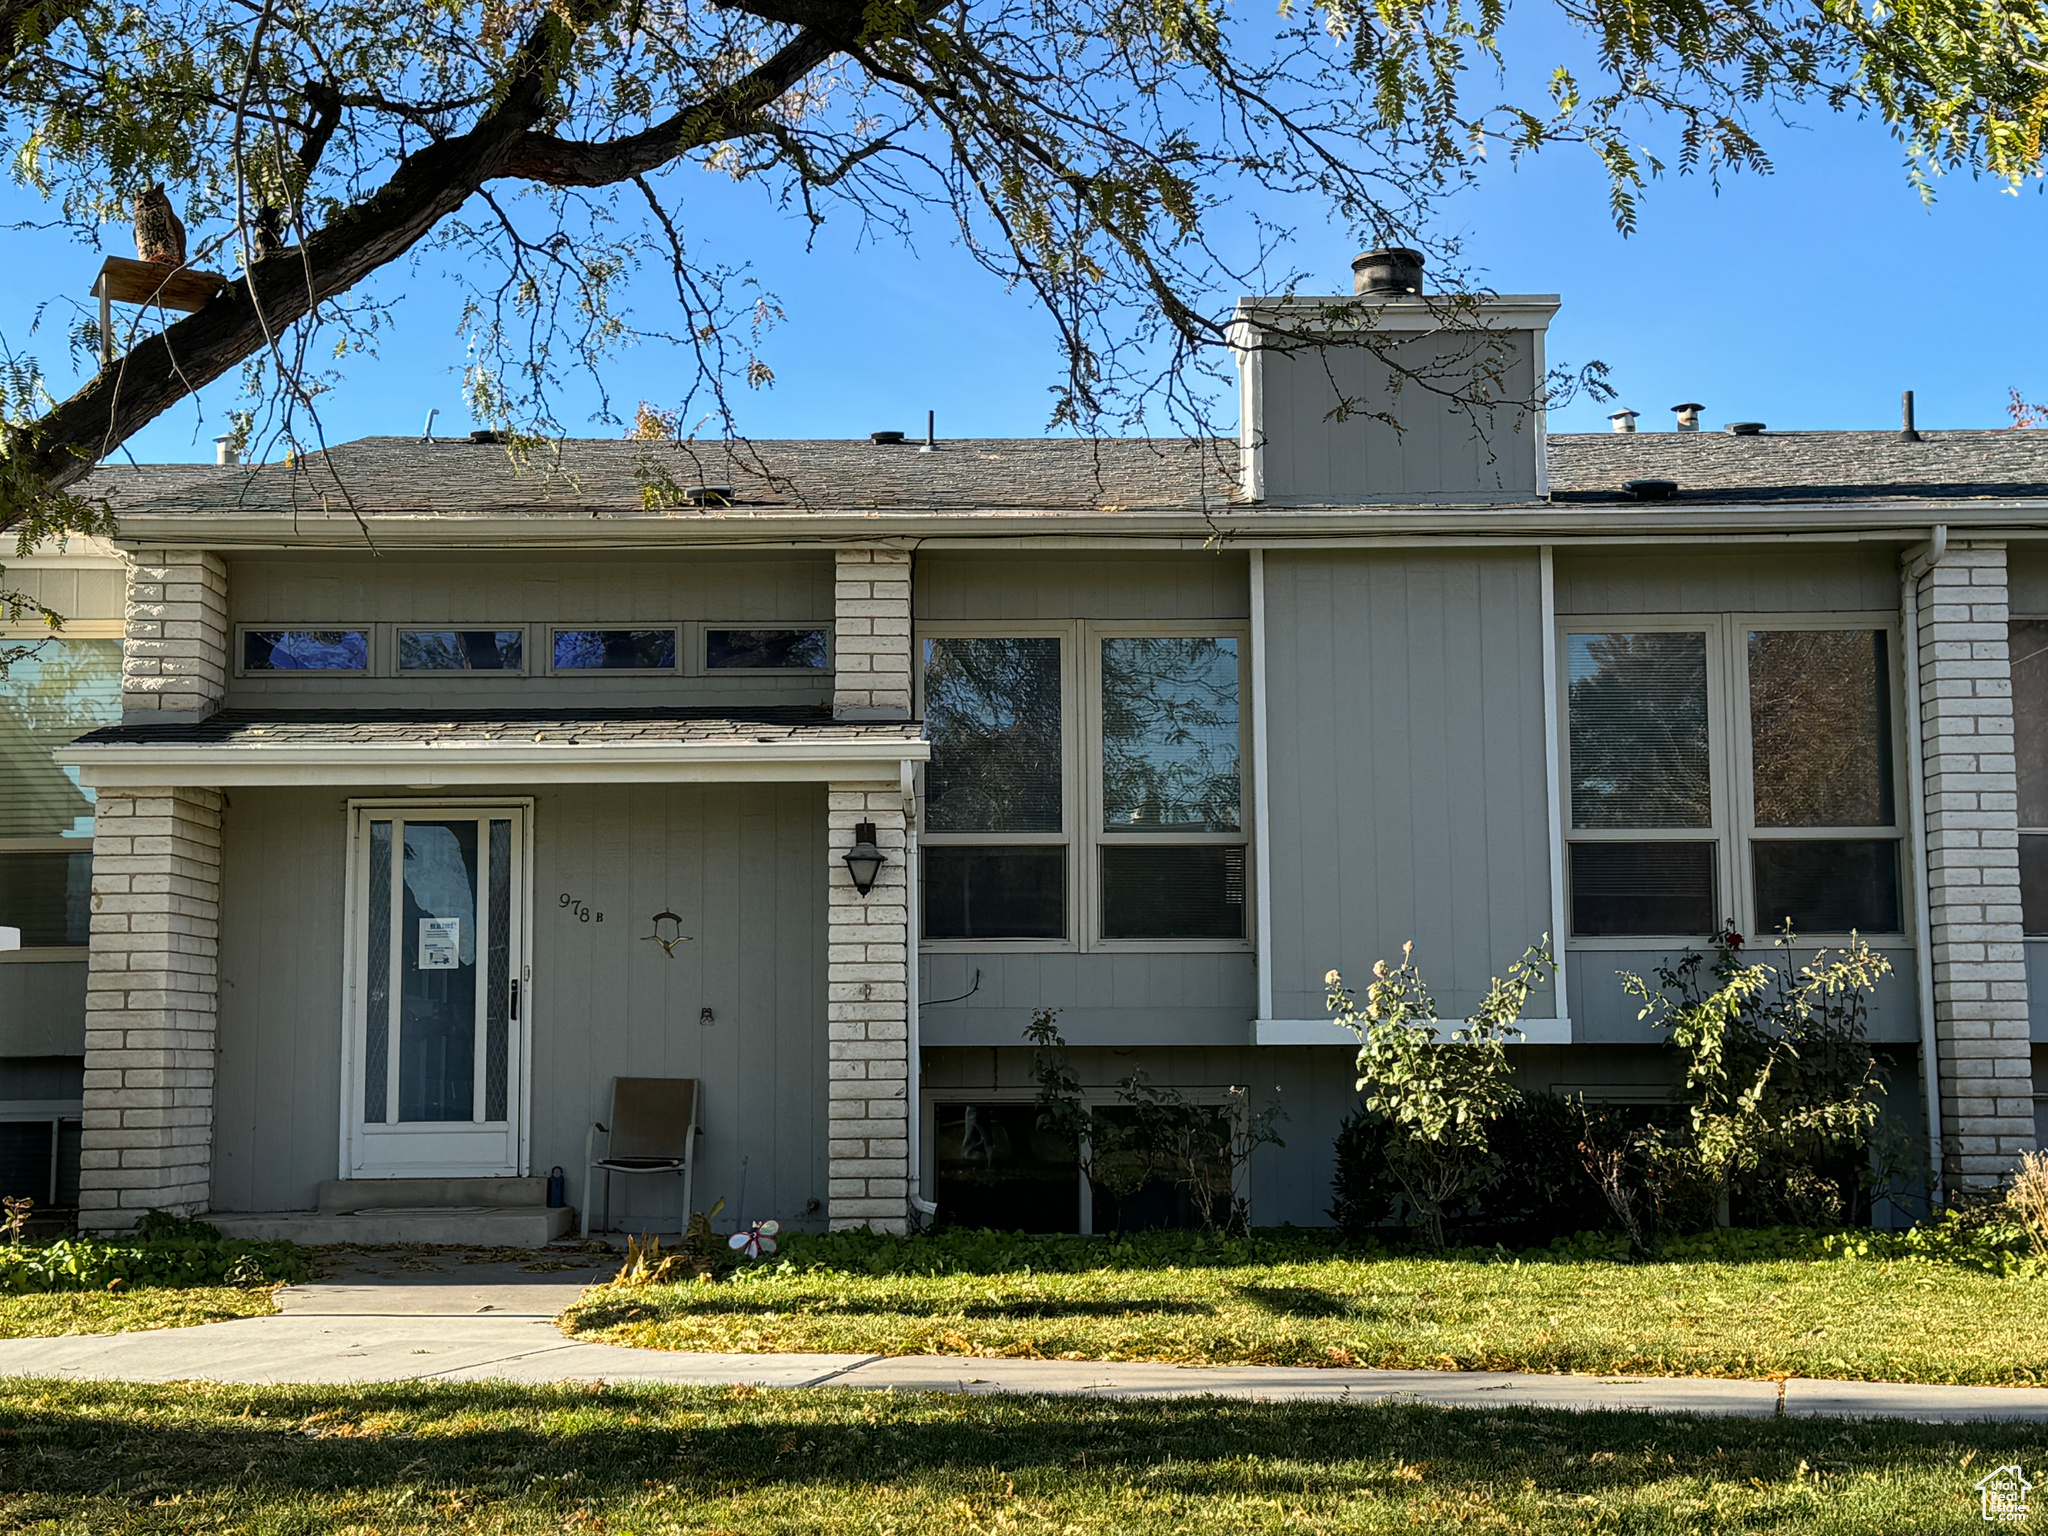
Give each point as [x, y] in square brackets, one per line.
[1809, 298]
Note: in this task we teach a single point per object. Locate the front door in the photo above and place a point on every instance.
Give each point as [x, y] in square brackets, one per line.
[438, 903]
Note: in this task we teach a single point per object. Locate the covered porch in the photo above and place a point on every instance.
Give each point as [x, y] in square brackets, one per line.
[368, 975]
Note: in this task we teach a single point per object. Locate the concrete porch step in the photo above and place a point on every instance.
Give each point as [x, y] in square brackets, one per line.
[343, 1195]
[479, 1226]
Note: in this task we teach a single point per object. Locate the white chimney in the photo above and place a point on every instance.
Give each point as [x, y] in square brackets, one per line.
[225, 451]
[1688, 416]
[1623, 421]
[1323, 421]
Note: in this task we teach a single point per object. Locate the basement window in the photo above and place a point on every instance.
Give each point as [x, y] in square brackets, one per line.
[767, 650]
[305, 650]
[615, 650]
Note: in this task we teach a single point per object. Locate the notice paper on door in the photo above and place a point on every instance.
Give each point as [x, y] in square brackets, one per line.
[440, 943]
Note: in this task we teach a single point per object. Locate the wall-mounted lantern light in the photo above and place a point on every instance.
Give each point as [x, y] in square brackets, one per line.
[864, 860]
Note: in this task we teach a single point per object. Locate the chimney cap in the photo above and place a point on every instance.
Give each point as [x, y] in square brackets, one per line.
[1391, 270]
[1624, 411]
[1690, 405]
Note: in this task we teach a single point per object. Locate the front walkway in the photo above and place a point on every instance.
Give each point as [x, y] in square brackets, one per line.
[420, 1318]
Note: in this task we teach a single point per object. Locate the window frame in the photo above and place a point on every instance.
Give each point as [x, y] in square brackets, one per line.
[15, 632]
[379, 662]
[1065, 633]
[393, 643]
[1081, 788]
[553, 628]
[2025, 830]
[700, 648]
[1097, 631]
[1731, 767]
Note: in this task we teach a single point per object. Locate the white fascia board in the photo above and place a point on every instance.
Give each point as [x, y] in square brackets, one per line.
[1327, 1032]
[413, 765]
[1503, 312]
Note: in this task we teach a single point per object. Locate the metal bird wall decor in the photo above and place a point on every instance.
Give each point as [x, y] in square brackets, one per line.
[668, 946]
[159, 234]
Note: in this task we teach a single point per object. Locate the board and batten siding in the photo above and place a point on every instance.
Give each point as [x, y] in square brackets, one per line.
[1094, 584]
[740, 863]
[1407, 794]
[77, 592]
[480, 591]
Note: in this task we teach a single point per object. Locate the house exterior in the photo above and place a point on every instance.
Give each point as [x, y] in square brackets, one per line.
[395, 803]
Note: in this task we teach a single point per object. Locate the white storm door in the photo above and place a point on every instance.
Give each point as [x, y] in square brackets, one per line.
[438, 901]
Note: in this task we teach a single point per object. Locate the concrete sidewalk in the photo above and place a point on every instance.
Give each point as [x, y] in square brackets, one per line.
[424, 1319]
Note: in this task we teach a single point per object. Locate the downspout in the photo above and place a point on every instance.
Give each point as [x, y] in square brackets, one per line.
[1912, 569]
[912, 961]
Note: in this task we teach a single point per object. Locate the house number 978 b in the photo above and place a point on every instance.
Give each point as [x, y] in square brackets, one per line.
[580, 910]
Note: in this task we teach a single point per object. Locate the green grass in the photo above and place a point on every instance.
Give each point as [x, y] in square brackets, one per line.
[1297, 1302]
[65, 1312]
[92, 1458]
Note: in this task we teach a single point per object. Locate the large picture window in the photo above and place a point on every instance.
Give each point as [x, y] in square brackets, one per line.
[995, 788]
[1729, 769]
[1140, 729]
[2029, 643]
[53, 693]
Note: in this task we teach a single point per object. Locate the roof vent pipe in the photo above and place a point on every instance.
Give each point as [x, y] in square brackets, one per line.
[931, 432]
[1623, 421]
[226, 451]
[1688, 416]
[1907, 432]
[1386, 273]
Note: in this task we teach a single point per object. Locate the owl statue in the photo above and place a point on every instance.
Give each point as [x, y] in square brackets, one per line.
[159, 236]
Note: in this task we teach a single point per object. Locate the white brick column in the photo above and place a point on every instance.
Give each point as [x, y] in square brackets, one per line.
[871, 635]
[868, 1010]
[174, 662]
[1972, 806]
[151, 993]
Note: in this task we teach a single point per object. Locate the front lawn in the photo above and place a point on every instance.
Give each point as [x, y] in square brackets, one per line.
[89, 1458]
[24, 1317]
[1298, 1300]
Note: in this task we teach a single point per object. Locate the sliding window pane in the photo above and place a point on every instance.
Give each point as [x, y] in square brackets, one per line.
[1172, 892]
[1642, 890]
[53, 693]
[995, 893]
[1170, 735]
[1638, 709]
[2034, 882]
[1820, 727]
[625, 650]
[461, 650]
[777, 650]
[992, 715]
[998, 1168]
[48, 896]
[2029, 641]
[305, 650]
[1827, 886]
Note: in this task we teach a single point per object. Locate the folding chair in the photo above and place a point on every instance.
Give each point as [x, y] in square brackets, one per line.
[652, 1129]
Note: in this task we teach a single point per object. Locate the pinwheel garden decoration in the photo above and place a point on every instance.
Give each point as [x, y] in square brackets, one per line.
[757, 1239]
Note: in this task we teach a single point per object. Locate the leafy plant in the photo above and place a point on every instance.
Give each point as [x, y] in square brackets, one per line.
[1782, 1089]
[167, 1251]
[17, 1208]
[1153, 1134]
[701, 1254]
[1439, 1091]
[2027, 1200]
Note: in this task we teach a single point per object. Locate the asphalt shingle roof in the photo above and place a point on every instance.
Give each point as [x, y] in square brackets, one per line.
[472, 727]
[392, 476]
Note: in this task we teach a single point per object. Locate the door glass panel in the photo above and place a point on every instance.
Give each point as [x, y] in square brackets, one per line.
[497, 1029]
[437, 973]
[1638, 710]
[377, 962]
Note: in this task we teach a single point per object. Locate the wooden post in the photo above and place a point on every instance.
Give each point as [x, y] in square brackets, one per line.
[99, 287]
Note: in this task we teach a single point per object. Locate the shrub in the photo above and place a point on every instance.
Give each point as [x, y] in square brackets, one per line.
[1440, 1098]
[1364, 1192]
[1781, 1086]
[2027, 1201]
